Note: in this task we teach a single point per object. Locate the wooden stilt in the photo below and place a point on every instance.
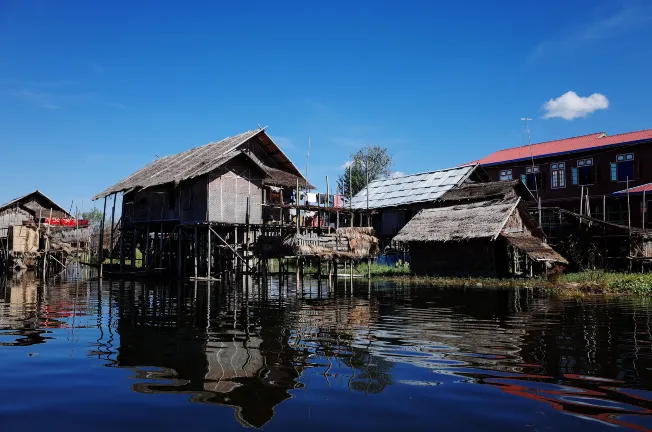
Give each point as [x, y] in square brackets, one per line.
[195, 251]
[147, 251]
[134, 244]
[101, 245]
[115, 195]
[160, 246]
[210, 255]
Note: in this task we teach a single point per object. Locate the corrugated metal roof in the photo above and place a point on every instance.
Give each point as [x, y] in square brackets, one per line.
[647, 188]
[567, 145]
[409, 189]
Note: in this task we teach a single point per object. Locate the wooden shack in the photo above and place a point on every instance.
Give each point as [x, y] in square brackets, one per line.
[200, 212]
[479, 230]
[26, 231]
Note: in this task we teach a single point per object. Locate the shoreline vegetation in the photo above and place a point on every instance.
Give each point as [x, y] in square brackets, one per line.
[591, 282]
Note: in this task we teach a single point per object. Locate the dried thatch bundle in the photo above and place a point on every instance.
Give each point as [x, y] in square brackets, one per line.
[350, 243]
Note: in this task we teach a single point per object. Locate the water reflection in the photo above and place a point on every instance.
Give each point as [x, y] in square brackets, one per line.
[256, 348]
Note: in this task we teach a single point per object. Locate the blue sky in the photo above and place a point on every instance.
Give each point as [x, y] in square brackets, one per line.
[91, 91]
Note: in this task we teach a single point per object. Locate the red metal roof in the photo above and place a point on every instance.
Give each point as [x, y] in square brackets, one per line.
[647, 188]
[567, 145]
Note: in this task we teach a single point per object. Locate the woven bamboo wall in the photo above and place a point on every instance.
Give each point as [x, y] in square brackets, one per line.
[229, 188]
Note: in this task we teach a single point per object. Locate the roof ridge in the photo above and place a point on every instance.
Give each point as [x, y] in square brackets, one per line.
[550, 141]
[424, 172]
[629, 133]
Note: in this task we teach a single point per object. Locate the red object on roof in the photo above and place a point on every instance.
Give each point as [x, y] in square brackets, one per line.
[568, 145]
[647, 188]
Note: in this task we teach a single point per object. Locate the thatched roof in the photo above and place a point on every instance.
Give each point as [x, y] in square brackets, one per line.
[533, 247]
[202, 160]
[35, 195]
[414, 188]
[492, 190]
[459, 222]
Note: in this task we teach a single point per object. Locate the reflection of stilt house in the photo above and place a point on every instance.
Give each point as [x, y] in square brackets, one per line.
[34, 224]
[480, 230]
[201, 211]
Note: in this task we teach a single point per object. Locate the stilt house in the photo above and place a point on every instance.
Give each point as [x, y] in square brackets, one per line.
[173, 207]
[479, 230]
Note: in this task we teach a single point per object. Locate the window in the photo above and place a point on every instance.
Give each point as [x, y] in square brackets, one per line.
[558, 171]
[532, 178]
[623, 168]
[505, 175]
[583, 173]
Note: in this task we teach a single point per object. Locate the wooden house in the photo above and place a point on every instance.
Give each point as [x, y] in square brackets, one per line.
[563, 172]
[23, 235]
[478, 230]
[190, 207]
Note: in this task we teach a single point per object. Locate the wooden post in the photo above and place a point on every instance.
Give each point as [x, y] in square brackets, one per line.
[122, 244]
[368, 268]
[160, 246]
[210, 255]
[47, 246]
[134, 248]
[581, 201]
[644, 206]
[540, 226]
[297, 206]
[327, 205]
[350, 199]
[115, 195]
[629, 218]
[195, 251]
[235, 248]
[101, 246]
[147, 247]
[604, 208]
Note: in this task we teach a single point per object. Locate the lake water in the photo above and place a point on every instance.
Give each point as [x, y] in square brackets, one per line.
[126, 355]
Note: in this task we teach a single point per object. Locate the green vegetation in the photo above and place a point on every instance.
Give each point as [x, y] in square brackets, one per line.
[601, 282]
[139, 260]
[573, 284]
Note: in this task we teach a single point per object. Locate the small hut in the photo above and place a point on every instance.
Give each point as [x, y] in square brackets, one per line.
[33, 224]
[479, 230]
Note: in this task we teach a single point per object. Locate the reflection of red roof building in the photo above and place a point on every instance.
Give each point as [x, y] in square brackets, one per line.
[577, 401]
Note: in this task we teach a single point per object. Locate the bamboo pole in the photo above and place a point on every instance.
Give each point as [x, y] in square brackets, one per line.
[327, 205]
[160, 246]
[194, 252]
[604, 208]
[101, 246]
[629, 218]
[350, 198]
[644, 206]
[297, 206]
[112, 225]
[210, 255]
[47, 247]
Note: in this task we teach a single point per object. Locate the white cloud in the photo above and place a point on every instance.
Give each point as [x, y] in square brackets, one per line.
[346, 164]
[570, 106]
[397, 174]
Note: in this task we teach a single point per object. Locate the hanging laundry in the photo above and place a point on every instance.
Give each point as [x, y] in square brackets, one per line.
[312, 199]
[338, 201]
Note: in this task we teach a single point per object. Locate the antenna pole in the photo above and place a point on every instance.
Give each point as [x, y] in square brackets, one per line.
[529, 143]
[307, 157]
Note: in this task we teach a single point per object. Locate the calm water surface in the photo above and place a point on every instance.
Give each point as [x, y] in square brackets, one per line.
[103, 356]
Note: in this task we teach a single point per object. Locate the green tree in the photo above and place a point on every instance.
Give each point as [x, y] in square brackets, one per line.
[94, 217]
[372, 160]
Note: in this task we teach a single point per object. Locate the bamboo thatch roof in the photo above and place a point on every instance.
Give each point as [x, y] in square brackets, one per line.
[533, 247]
[202, 160]
[484, 219]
